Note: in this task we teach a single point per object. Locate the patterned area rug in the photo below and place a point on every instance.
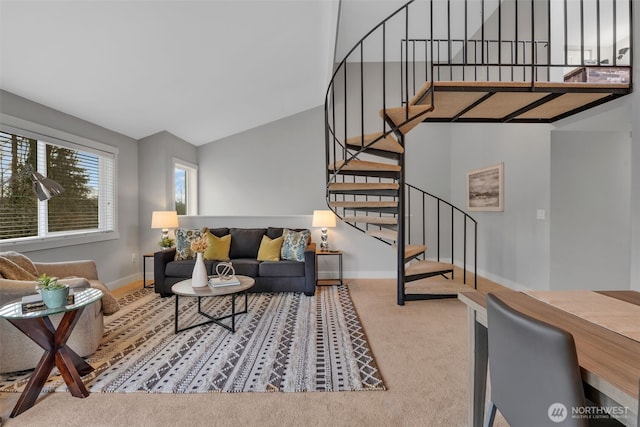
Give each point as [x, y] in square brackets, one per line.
[286, 342]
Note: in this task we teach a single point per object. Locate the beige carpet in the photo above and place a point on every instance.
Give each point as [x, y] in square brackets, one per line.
[420, 349]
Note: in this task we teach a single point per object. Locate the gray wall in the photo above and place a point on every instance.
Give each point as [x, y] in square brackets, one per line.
[275, 169]
[113, 257]
[363, 257]
[428, 160]
[579, 172]
[590, 210]
[273, 175]
[513, 246]
[157, 153]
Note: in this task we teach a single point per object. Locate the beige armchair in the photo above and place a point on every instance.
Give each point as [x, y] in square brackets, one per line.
[17, 351]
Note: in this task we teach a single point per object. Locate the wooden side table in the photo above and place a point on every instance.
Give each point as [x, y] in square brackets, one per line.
[144, 271]
[329, 282]
[37, 326]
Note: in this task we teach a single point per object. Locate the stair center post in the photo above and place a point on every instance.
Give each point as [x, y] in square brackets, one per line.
[401, 225]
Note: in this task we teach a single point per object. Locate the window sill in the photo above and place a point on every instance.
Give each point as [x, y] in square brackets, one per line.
[53, 242]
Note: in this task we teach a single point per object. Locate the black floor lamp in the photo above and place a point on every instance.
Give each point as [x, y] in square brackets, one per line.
[45, 188]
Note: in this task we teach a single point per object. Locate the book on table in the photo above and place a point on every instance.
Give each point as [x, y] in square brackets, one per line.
[217, 281]
[35, 303]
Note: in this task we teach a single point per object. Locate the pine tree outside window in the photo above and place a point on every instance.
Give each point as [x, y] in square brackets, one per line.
[87, 175]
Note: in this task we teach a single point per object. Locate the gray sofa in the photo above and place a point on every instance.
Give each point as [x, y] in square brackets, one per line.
[270, 276]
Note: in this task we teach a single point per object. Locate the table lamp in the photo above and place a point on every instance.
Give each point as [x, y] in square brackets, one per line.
[164, 220]
[324, 219]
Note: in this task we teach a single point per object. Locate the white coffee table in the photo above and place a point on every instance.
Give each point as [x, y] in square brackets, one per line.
[184, 289]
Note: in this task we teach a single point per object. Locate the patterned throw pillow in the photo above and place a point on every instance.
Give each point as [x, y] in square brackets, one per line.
[184, 237]
[294, 244]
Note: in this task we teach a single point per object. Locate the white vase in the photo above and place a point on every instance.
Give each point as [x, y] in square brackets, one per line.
[199, 276]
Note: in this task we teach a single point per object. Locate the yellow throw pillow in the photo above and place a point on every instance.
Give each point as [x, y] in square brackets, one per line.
[218, 248]
[270, 249]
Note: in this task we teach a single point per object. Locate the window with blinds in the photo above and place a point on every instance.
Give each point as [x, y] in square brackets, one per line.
[86, 205]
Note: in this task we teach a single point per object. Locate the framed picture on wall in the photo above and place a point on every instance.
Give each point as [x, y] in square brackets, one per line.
[485, 189]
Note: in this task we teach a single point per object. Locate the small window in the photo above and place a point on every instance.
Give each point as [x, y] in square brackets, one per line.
[185, 188]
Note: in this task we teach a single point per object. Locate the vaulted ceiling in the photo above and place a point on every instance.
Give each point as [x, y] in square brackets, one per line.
[201, 70]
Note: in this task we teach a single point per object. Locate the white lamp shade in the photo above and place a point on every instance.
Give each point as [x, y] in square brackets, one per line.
[324, 219]
[164, 219]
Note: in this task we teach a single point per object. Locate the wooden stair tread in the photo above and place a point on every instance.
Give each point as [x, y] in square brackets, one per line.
[387, 143]
[371, 219]
[427, 267]
[412, 250]
[561, 104]
[477, 101]
[436, 285]
[383, 234]
[398, 115]
[363, 165]
[347, 186]
[364, 204]
[416, 100]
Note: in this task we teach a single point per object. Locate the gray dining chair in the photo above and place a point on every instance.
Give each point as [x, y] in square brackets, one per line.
[533, 369]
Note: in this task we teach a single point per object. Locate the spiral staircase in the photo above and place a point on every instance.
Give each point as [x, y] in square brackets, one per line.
[498, 61]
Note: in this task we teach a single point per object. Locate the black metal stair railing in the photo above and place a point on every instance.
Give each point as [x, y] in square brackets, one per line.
[517, 40]
[352, 112]
[343, 119]
[347, 116]
[451, 225]
[467, 65]
[426, 42]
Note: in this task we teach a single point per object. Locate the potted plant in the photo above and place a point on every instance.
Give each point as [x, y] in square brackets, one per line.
[54, 294]
[166, 243]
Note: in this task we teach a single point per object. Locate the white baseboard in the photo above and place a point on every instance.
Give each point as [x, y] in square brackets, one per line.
[490, 276]
[382, 274]
[124, 281]
[502, 281]
[353, 274]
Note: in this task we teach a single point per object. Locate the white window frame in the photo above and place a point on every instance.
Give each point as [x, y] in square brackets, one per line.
[47, 134]
[191, 185]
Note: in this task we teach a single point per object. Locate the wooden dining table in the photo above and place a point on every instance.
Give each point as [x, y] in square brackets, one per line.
[606, 329]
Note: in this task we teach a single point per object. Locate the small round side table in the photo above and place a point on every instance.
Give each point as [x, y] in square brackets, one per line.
[37, 326]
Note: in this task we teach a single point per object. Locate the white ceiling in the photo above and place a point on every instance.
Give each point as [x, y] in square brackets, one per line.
[358, 17]
[201, 70]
